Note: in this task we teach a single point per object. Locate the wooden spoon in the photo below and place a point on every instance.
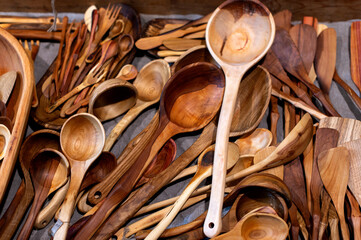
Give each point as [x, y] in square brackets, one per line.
[49, 171]
[180, 44]
[204, 170]
[236, 48]
[284, 48]
[149, 85]
[82, 139]
[334, 170]
[31, 146]
[5, 136]
[283, 19]
[128, 72]
[200, 85]
[111, 99]
[258, 226]
[129, 208]
[125, 44]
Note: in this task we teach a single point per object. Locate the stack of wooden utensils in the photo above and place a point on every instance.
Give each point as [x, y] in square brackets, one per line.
[305, 185]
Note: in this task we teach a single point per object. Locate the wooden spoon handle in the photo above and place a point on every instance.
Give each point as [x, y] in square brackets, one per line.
[348, 89]
[159, 229]
[122, 125]
[60, 229]
[36, 34]
[152, 42]
[186, 172]
[213, 223]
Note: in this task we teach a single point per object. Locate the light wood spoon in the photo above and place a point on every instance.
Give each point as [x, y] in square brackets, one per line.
[334, 169]
[149, 84]
[82, 139]
[245, 40]
[204, 170]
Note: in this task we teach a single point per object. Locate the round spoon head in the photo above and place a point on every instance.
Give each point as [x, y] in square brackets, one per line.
[240, 32]
[82, 138]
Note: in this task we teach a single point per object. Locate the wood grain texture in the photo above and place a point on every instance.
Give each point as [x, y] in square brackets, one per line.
[355, 48]
[324, 10]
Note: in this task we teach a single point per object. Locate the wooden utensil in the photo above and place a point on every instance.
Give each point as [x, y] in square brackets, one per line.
[128, 72]
[32, 145]
[348, 89]
[190, 27]
[236, 48]
[88, 16]
[355, 214]
[256, 225]
[206, 139]
[149, 85]
[325, 59]
[5, 136]
[262, 154]
[326, 138]
[49, 171]
[333, 222]
[180, 44]
[111, 99]
[204, 170]
[82, 139]
[334, 170]
[283, 19]
[7, 82]
[305, 39]
[283, 47]
[125, 44]
[354, 55]
[180, 91]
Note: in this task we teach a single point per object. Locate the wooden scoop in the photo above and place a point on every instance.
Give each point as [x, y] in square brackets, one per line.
[204, 170]
[149, 85]
[334, 169]
[236, 48]
[258, 226]
[82, 139]
[49, 171]
[200, 86]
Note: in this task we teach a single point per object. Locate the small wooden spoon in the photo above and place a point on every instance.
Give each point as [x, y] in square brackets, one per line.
[258, 226]
[49, 171]
[354, 47]
[111, 99]
[334, 168]
[149, 85]
[125, 44]
[236, 48]
[82, 139]
[128, 72]
[204, 170]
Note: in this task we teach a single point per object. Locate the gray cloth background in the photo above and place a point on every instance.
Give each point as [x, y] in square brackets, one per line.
[48, 51]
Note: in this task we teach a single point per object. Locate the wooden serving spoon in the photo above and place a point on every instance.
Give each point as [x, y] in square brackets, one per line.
[236, 48]
[130, 207]
[200, 86]
[82, 139]
[149, 84]
[257, 225]
[334, 168]
[204, 170]
[49, 171]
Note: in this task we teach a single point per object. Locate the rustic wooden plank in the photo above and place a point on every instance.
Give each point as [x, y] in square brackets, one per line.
[324, 10]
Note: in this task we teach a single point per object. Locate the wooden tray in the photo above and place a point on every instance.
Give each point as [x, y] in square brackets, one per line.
[13, 57]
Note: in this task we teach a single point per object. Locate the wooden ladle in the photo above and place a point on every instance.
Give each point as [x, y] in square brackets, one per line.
[189, 101]
[334, 169]
[82, 139]
[246, 39]
[204, 170]
[149, 85]
[49, 171]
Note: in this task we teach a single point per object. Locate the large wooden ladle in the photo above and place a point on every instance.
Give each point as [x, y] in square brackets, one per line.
[82, 139]
[49, 171]
[149, 84]
[189, 101]
[248, 35]
[205, 164]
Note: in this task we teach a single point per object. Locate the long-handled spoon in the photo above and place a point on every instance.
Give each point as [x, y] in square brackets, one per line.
[82, 139]
[246, 39]
[334, 169]
[199, 86]
[204, 170]
[149, 84]
[49, 171]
